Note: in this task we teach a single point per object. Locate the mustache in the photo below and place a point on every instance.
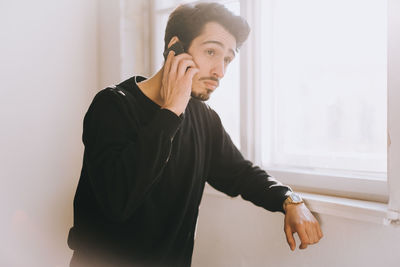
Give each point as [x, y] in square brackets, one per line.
[210, 78]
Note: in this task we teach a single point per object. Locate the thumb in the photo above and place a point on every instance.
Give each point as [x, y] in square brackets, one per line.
[290, 238]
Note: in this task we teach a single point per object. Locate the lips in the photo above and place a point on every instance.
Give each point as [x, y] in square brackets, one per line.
[211, 84]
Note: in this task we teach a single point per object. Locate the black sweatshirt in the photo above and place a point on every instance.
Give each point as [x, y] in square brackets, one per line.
[143, 175]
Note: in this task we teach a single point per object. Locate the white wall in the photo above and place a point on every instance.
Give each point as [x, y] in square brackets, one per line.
[235, 233]
[54, 57]
[109, 42]
[48, 74]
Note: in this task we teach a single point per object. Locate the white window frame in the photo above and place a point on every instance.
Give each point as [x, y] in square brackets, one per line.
[393, 109]
[352, 196]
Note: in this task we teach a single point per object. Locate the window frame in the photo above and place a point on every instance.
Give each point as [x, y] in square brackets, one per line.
[393, 213]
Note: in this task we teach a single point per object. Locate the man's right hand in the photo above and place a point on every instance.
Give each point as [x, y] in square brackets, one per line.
[176, 85]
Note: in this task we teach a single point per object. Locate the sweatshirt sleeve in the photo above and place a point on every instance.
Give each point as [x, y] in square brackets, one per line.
[123, 162]
[232, 174]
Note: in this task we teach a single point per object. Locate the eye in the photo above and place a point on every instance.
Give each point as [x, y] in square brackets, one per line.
[210, 52]
[227, 60]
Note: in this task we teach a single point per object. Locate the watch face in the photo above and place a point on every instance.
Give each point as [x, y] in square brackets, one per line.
[296, 198]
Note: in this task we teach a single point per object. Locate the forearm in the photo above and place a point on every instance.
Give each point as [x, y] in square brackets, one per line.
[252, 183]
[234, 175]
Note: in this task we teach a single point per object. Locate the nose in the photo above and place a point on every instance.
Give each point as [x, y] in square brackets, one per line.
[219, 70]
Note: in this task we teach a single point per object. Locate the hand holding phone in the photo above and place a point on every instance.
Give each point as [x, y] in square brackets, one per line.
[179, 70]
[176, 47]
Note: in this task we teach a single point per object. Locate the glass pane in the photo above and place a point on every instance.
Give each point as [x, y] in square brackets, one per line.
[329, 84]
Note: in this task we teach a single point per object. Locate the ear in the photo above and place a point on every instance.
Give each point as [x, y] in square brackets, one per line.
[173, 40]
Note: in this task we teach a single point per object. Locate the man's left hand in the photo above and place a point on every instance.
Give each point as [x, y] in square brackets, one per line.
[298, 219]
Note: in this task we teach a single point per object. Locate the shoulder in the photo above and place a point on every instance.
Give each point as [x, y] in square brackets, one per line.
[107, 95]
[205, 114]
[105, 104]
[203, 108]
[108, 98]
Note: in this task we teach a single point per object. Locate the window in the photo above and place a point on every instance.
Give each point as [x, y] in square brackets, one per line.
[328, 84]
[320, 94]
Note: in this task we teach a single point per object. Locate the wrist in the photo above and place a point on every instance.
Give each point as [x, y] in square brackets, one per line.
[292, 200]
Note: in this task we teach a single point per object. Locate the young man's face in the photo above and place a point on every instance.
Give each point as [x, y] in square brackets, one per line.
[212, 51]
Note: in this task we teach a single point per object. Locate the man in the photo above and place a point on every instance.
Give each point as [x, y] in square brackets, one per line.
[150, 146]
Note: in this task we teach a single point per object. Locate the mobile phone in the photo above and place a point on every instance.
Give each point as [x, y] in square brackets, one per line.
[176, 47]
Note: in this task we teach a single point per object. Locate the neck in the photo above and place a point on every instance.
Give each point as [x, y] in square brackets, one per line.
[152, 86]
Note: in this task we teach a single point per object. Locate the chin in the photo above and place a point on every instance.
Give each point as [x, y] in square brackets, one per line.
[200, 96]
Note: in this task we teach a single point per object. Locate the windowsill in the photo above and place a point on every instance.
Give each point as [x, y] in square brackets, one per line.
[360, 210]
[342, 185]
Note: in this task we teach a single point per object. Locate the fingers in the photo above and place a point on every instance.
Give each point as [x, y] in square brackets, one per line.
[301, 221]
[314, 231]
[180, 67]
[304, 238]
[184, 64]
[191, 72]
[176, 63]
[176, 81]
[290, 238]
[167, 68]
[309, 234]
[319, 231]
[316, 236]
[177, 66]
[167, 65]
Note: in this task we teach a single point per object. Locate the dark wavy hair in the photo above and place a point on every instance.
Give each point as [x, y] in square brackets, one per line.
[187, 22]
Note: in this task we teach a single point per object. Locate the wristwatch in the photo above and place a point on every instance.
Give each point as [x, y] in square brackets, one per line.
[293, 198]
